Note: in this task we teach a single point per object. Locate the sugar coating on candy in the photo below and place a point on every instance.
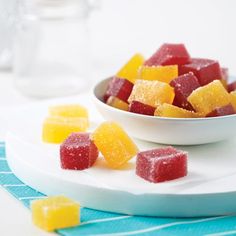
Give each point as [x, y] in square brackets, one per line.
[55, 212]
[184, 85]
[204, 69]
[78, 152]
[140, 108]
[120, 88]
[114, 144]
[233, 99]
[57, 128]
[130, 70]
[232, 86]
[168, 110]
[222, 111]
[152, 93]
[207, 98]
[70, 110]
[169, 54]
[117, 103]
[160, 73]
[161, 164]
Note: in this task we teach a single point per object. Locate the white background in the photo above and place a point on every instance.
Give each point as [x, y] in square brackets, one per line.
[119, 29]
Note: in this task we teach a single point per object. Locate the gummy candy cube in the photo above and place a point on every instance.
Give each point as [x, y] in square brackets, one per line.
[204, 69]
[233, 99]
[161, 164]
[169, 54]
[78, 152]
[222, 111]
[73, 110]
[184, 85]
[114, 144]
[120, 88]
[152, 93]
[54, 213]
[232, 86]
[168, 110]
[117, 103]
[57, 128]
[130, 70]
[160, 73]
[140, 108]
[207, 98]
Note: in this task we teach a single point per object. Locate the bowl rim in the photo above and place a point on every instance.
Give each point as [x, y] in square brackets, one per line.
[132, 114]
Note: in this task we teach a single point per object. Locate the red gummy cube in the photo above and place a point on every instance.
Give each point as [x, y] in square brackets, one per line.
[78, 152]
[224, 73]
[169, 54]
[222, 111]
[141, 108]
[204, 69]
[161, 164]
[184, 85]
[232, 86]
[120, 88]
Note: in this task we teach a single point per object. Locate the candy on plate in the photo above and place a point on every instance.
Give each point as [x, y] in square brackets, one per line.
[57, 128]
[70, 110]
[161, 164]
[78, 152]
[114, 144]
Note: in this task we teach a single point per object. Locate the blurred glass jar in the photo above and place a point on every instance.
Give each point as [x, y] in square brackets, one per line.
[51, 51]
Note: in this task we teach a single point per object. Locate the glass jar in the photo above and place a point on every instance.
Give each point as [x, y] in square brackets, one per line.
[51, 52]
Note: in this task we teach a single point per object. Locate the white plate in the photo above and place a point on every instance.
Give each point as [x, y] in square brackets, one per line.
[209, 188]
[175, 131]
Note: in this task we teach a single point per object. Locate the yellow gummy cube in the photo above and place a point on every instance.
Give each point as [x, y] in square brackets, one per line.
[153, 93]
[160, 73]
[55, 213]
[130, 70]
[73, 110]
[56, 128]
[168, 110]
[207, 98]
[114, 144]
[233, 99]
[117, 103]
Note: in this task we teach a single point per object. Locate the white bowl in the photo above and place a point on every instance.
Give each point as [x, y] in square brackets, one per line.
[175, 131]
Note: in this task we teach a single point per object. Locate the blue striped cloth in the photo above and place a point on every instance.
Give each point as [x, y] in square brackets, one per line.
[104, 223]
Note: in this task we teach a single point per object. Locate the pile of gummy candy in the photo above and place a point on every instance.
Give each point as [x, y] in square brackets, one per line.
[67, 125]
[172, 84]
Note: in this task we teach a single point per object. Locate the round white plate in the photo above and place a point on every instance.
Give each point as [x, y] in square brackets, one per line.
[209, 189]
